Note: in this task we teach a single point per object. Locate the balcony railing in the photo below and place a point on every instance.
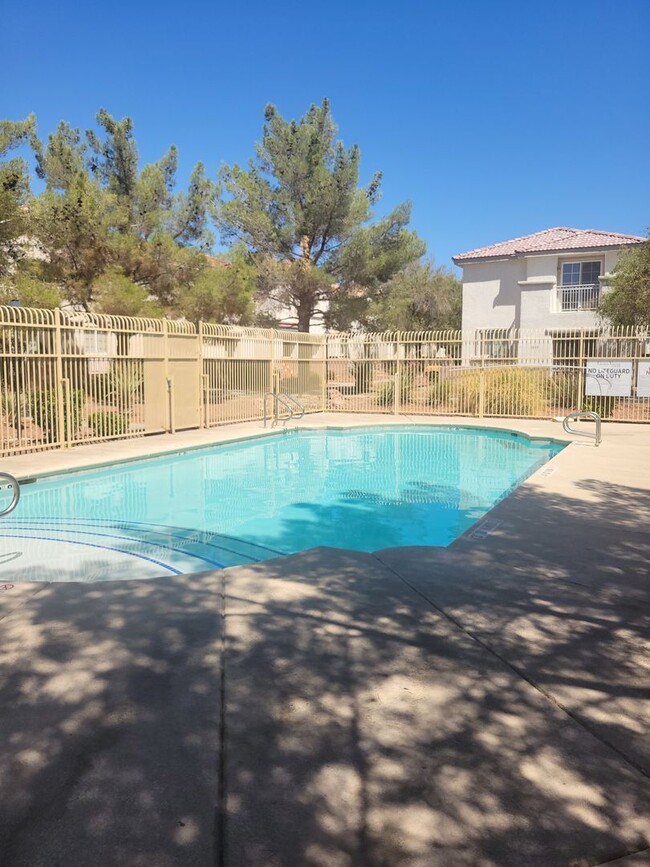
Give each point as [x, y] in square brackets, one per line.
[583, 296]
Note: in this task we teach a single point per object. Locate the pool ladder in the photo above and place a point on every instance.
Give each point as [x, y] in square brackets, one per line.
[288, 402]
[578, 414]
[5, 478]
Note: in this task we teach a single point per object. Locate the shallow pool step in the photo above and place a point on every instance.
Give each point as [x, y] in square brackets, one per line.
[92, 550]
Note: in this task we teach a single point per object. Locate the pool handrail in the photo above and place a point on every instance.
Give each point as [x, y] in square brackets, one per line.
[295, 402]
[578, 414]
[13, 483]
[288, 401]
[277, 398]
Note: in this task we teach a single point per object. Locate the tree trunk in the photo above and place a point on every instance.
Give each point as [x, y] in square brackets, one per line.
[305, 309]
[304, 317]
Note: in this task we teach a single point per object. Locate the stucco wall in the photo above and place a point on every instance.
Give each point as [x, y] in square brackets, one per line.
[491, 294]
[521, 293]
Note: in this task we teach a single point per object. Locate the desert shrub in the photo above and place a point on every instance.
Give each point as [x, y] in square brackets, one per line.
[247, 375]
[604, 406]
[565, 393]
[8, 408]
[306, 381]
[362, 376]
[563, 389]
[515, 391]
[300, 379]
[309, 381]
[506, 391]
[385, 395]
[440, 390]
[236, 375]
[124, 385]
[43, 408]
[465, 391]
[105, 423]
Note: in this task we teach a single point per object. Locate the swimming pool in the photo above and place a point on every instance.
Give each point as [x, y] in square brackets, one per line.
[359, 488]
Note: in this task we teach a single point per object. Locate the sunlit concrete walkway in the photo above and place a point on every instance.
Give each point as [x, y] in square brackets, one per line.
[484, 704]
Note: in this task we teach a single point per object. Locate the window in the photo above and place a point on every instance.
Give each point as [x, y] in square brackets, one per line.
[579, 287]
[580, 273]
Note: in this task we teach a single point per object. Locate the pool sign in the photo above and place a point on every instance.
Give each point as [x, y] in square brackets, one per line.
[643, 379]
[609, 378]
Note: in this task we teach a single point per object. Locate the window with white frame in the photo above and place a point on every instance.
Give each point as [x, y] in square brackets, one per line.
[579, 287]
[580, 273]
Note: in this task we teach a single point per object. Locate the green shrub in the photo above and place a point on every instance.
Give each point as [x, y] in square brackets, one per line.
[309, 381]
[440, 391]
[9, 409]
[506, 391]
[362, 376]
[516, 391]
[604, 406]
[124, 385]
[386, 392]
[226, 376]
[43, 407]
[105, 423]
[563, 389]
[564, 394]
[305, 382]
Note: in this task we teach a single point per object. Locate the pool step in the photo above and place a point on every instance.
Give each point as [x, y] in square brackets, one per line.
[94, 550]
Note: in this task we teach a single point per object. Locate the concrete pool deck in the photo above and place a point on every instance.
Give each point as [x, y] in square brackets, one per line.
[483, 704]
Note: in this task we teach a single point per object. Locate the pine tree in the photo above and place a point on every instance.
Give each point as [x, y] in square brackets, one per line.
[299, 202]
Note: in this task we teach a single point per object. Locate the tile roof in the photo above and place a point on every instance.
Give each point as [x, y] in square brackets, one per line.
[550, 240]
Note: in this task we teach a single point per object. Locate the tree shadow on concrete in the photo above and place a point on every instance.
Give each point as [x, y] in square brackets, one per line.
[561, 590]
[109, 712]
[364, 728]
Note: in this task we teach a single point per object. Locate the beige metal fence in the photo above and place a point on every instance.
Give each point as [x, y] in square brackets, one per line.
[241, 365]
[492, 373]
[69, 378]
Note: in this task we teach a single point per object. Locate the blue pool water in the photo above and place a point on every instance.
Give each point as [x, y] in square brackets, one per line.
[363, 489]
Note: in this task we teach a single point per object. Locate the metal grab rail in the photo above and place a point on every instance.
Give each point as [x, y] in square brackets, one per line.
[296, 402]
[583, 414]
[280, 398]
[288, 401]
[277, 398]
[13, 483]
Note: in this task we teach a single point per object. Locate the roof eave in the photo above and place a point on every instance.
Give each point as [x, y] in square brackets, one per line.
[502, 257]
[460, 259]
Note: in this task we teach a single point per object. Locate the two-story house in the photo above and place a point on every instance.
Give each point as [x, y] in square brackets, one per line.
[551, 280]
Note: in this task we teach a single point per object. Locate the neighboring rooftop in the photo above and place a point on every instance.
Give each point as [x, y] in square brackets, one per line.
[550, 241]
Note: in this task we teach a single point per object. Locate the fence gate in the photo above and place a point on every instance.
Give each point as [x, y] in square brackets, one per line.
[183, 378]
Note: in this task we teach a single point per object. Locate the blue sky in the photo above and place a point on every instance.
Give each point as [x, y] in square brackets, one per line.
[495, 118]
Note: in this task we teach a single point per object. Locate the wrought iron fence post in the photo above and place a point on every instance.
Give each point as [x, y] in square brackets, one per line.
[168, 382]
[61, 408]
[170, 405]
[481, 382]
[203, 391]
[397, 388]
[324, 391]
[581, 370]
[69, 414]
